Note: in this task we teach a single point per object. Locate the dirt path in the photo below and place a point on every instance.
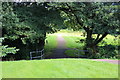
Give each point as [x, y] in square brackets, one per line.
[59, 51]
[108, 60]
[61, 48]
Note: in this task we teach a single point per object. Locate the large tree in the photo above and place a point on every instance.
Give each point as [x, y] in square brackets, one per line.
[25, 25]
[100, 18]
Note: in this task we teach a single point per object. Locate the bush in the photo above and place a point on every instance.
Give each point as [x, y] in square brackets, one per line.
[108, 51]
[75, 53]
[5, 50]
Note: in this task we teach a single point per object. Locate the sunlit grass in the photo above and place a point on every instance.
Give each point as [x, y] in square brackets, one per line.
[73, 36]
[50, 44]
[59, 68]
[75, 53]
[109, 39]
[73, 41]
[69, 33]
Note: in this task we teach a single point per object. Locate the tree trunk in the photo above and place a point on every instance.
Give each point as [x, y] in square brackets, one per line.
[92, 45]
[88, 41]
[89, 37]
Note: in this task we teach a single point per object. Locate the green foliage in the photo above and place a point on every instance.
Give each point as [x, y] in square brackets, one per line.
[70, 40]
[28, 21]
[50, 44]
[75, 53]
[108, 48]
[5, 50]
[19, 34]
[99, 17]
[8, 21]
[108, 51]
[95, 17]
[25, 25]
[14, 29]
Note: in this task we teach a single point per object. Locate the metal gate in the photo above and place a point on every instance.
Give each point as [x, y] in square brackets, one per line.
[37, 54]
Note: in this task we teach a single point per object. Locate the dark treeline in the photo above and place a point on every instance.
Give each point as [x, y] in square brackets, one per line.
[25, 24]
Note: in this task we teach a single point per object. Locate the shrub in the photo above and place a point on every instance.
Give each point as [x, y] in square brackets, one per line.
[108, 51]
[75, 53]
[7, 50]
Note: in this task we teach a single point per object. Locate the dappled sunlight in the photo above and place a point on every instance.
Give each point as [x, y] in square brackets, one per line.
[72, 39]
[59, 34]
[67, 34]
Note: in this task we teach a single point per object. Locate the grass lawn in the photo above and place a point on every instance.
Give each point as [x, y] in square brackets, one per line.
[59, 68]
[74, 53]
[73, 37]
[51, 44]
[109, 39]
[73, 41]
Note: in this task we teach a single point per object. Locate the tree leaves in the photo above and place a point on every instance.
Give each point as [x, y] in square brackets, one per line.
[4, 49]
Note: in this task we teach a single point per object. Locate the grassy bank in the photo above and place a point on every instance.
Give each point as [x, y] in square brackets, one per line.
[107, 48]
[59, 68]
[73, 41]
[50, 44]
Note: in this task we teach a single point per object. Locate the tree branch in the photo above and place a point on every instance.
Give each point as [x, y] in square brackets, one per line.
[100, 39]
[97, 37]
[77, 19]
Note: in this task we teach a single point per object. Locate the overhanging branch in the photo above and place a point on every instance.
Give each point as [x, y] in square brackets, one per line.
[77, 19]
[101, 38]
[98, 35]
